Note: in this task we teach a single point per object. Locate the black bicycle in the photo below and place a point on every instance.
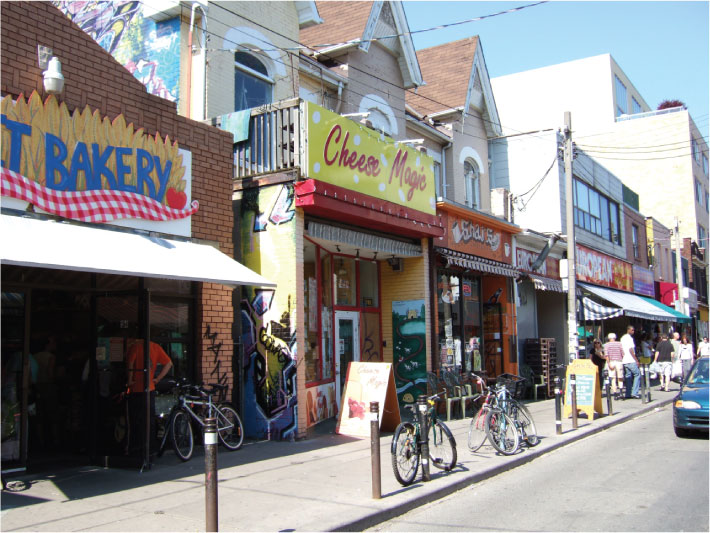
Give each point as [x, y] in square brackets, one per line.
[406, 444]
[195, 404]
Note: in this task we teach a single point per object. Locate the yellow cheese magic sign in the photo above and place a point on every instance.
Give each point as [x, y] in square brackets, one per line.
[355, 157]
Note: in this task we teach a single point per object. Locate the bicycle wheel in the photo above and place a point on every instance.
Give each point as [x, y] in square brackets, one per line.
[229, 427]
[405, 456]
[442, 446]
[502, 432]
[477, 429]
[521, 415]
[183, 441]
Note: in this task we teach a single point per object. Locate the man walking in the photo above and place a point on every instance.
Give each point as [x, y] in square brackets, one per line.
[703, 348]
[615, 354]
[632, 375]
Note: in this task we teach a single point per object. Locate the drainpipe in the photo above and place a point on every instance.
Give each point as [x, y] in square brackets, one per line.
[340, 93]
[195, 6]
[443, 167]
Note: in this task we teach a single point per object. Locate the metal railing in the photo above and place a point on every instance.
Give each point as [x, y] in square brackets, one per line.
[622, 118]
[275, 140]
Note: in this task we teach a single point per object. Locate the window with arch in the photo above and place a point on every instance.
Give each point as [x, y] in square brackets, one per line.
[252, 84]
[472, 180]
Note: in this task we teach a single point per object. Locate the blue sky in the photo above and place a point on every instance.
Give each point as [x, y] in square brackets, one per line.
[661, 46]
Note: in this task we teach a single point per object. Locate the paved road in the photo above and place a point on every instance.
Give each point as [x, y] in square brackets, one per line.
[636, 476]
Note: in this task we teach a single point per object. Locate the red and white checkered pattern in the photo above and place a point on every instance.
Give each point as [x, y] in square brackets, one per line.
[90, 206]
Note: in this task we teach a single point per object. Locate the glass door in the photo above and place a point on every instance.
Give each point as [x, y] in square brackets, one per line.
[347, 347]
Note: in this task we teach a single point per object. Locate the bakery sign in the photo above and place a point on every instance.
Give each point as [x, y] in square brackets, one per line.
[476, 238]
[601, 269]
[347, 154]
[85, 167]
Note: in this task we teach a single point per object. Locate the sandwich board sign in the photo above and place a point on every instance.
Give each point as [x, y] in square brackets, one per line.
[589, 397]
[365, 383]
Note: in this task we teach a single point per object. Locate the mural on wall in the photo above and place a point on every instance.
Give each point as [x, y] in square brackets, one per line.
[150, 50]
[409, 335]
[268, 327]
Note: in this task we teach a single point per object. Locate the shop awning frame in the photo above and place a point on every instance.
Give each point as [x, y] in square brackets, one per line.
[47, 243]
[595, 311]
[481, 264]
[680, 317]
[546, 284]
[631, 304]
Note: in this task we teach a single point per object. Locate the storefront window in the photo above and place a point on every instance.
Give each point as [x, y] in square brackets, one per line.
[310, 297]
[327, 318]
[471, 325]
[13, 334]
[459, 313]
[370, 338]
[448, 290]
[368, 284]
[170, 327]
[345, 288]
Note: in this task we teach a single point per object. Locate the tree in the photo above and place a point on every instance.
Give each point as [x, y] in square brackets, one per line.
[666, 104]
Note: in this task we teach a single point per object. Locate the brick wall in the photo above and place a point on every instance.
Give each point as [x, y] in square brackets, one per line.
[93, 78]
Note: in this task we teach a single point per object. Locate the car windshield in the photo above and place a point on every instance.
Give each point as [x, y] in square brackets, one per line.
[699, 374]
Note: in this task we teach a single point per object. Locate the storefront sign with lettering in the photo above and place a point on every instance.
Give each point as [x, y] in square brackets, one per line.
[85, 167]
[476, 238]
[350, 155]
[524, 260]
[601, 269]
[643, 281]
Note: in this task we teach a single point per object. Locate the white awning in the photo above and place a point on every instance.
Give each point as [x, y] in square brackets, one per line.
[546, 284]
[68, 246]
[631, 304]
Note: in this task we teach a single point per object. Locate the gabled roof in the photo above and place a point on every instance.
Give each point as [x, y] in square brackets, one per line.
[451, 71]
[353, 24]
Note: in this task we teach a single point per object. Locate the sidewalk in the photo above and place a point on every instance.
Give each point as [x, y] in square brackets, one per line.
[319, 484]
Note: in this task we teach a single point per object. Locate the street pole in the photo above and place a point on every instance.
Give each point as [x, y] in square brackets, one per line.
[679, 266]
[571, 261]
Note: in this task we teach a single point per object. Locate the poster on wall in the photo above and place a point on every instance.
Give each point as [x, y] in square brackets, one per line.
[409, 348]
[365, 383]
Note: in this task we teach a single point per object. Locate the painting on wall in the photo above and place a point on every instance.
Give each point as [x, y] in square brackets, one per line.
[149, 49]
[268, 327]
[409, 336]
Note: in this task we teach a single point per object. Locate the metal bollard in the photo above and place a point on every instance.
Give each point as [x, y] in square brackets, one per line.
[573, 395]
[558, 405]
[607, 387]
[642, 369]
[375, 450]
[422, 408]
[210, 474]
[648, 385]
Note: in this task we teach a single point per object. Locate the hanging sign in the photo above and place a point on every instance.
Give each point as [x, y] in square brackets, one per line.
[353, 156]
[365, 383]
[85, 167]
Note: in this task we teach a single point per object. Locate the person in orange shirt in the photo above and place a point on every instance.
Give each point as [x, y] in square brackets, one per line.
[136, 388]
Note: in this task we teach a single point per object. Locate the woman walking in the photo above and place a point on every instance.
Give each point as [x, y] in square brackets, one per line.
[686, 355]
[598, 358]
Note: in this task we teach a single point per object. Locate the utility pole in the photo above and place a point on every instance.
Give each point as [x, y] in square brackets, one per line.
[571, 260]
[679, 267]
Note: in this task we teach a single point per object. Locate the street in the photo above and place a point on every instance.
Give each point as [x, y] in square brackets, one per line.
[636, 476]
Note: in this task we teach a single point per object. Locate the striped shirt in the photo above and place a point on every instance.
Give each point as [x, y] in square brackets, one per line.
[614, 350]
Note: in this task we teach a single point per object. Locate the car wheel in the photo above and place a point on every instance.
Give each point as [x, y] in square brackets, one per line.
[680, 432]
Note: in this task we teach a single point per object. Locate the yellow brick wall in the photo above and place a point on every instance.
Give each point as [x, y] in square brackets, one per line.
[410, 284]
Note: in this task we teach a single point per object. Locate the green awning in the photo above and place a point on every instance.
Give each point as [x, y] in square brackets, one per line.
[685, 319]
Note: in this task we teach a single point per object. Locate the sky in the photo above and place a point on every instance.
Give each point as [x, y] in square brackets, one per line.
[663, 47]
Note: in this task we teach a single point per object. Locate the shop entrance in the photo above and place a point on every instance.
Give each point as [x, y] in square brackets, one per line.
[347, 346]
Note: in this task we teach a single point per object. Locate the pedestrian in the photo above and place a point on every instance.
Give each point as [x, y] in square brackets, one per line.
[596, 354]
[632, 375]
[614, 352]
[136, 392]
[675, 341]
[686, 356]
[703, 348]
[664, 358]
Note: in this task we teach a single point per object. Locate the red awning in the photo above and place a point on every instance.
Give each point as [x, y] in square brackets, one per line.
[337, 203]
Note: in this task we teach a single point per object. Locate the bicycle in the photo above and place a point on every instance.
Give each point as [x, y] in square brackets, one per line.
[195, 404]
[477, 429]
[406, 444]
[510, 421]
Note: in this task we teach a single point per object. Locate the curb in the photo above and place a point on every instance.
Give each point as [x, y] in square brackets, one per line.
[382, 515]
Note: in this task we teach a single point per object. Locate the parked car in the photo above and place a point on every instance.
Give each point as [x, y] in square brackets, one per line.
[690, 408]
